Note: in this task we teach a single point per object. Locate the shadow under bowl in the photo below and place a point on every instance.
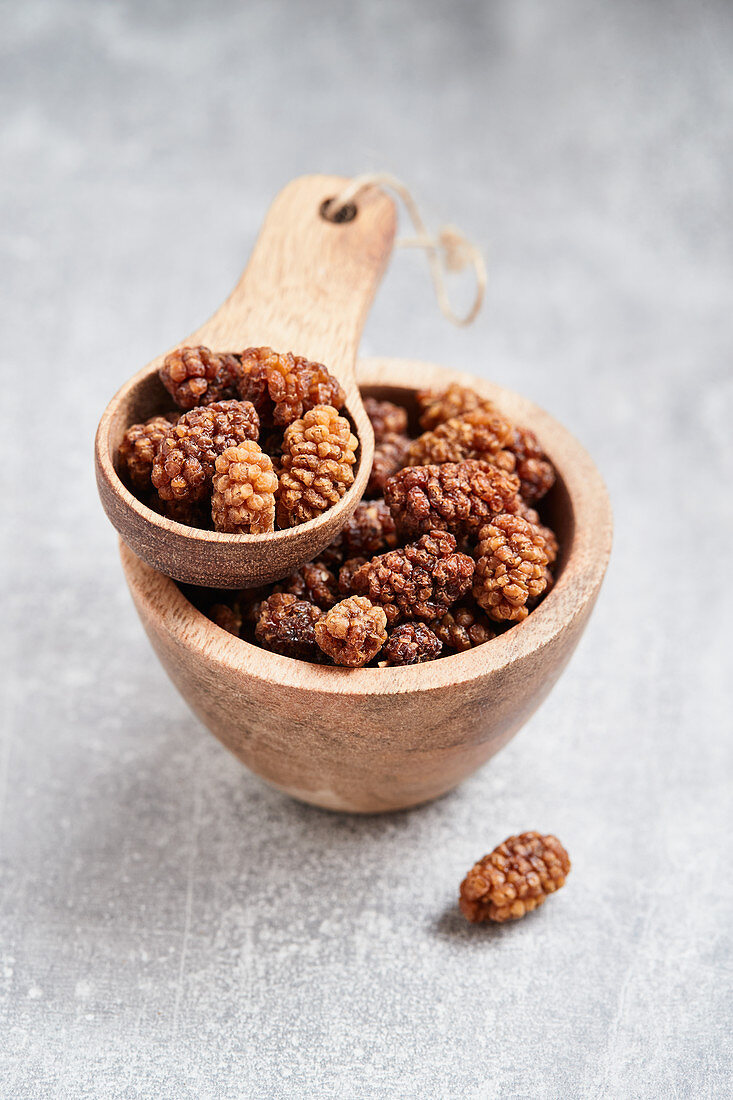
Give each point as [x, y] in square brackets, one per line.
[379, 739]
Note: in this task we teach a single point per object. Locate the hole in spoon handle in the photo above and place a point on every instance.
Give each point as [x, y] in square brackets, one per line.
[309, 282]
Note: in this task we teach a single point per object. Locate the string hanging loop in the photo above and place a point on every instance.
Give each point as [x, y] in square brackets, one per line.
[448, 250]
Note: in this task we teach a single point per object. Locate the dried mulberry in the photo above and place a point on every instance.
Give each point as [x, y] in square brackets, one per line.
[248, 602]
[184, 462]
[352, 632]
[515, 878]
[318, 456]
[510, 567]
[536, 472]
[463, 627]
[369, 531]
[549, 583]
[552, 547]
[419, 581]
[347, 572]
[243, 501]
[386, 418]
[437, 406]
[286, 625]
[198, 376]
[189, 513]
[314, 582]
[228, 618]
[483, 433]
[138, 447]
[458, 496]
[389, 456]
[411, 644]
[283, 387]
[227, 422]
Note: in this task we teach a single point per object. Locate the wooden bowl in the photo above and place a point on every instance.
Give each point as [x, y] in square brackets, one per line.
[371, 740]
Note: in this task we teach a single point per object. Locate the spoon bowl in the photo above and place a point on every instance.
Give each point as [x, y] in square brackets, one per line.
[376, 739]
[307, 289]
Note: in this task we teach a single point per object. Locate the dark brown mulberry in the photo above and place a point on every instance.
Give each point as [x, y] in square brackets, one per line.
[138, 447]
[464, 627]
[317, 465]
[184, 461]
[389, 456]
[437, 406]
[347, 572]
[419, 581]
[283, 387]
[228, 618]
[314, 582]
[458, 496]
[352, 632]
[198, 376]
[386, 417]
[483, 433]
[510, 568]
[535, 471]
[243, 501]
[189, 513]
[515, 878]
[286, 625]
[248, 602]
[369, 531]
[411, 644]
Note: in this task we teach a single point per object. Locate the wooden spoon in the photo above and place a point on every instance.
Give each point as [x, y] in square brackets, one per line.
[307, 289]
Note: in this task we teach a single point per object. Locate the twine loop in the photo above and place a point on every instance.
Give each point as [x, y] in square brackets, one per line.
[448, 250]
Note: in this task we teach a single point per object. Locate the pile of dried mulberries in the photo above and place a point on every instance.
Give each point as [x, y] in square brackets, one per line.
[446, 551]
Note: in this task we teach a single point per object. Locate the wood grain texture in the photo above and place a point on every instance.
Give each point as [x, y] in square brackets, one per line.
[371, 740]
[307, 288]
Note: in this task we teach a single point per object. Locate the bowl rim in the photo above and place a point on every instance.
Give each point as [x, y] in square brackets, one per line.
[575, 588]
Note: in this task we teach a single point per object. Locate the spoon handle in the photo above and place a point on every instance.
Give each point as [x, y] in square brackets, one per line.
[309, 282]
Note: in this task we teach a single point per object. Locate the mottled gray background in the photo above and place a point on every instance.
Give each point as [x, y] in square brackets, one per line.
[168, 926]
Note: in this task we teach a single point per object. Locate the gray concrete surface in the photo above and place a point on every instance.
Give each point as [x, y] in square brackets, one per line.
[168, 926]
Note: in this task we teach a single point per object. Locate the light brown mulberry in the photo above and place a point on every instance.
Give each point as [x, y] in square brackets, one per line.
[286, 625]
[243, 501]
[463, 627]
[317, 465]
[138, 447]
[552, 547]
[457, 496]
[352, 632]
[483, 433]
[437, 406]
[536, 472]
[184, 461]
[314, 582]
[227, 422]
[369, 531]
[515, 878]
[386, 417]
[510, 567]
[419, 581]
[549, 584]
[198, 376]
[283, 386]
[411, 644]
[390, 455]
